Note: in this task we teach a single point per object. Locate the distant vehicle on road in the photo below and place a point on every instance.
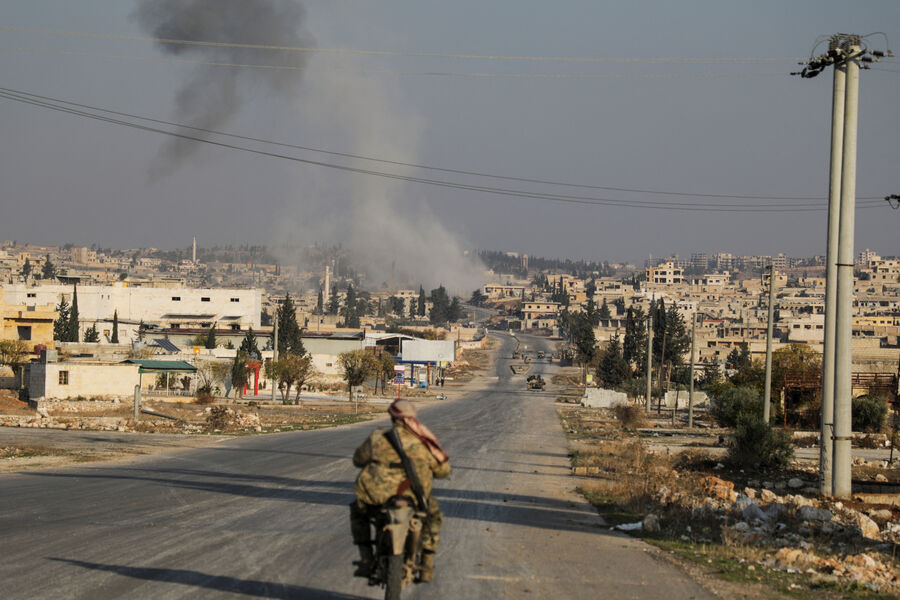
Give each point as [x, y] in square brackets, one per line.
[535, 382]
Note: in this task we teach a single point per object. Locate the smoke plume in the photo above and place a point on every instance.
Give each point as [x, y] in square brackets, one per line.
[211, 95]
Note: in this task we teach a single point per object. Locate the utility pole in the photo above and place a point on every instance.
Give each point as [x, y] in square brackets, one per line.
[691, 393]
[767, 403]
[843, 352]
[826, 430]
[649, 352]
[845, 53]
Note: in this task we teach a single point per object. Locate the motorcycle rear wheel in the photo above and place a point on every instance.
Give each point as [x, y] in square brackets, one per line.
[393, 580]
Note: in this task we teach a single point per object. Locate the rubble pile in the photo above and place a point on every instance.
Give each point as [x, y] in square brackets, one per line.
[797, 533]
[221, 418]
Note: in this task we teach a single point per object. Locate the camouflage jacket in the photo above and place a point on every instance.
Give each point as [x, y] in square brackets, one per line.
[382, 472]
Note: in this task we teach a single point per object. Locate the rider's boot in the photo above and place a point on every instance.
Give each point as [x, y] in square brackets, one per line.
[426, 572]
[366, 563]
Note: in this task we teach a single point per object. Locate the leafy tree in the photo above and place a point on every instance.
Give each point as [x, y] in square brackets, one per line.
[72, 330]
[735, 402]
[869, 413]
[91, 335]
[477, 298]
[440, 306]
[114, 338]
[590, 289]
[384, 369]
[291, 370]
[634, 347]
[142, 329]
[420, 305]
[249, 346]
[49, 271]
[395, 304]
[61, 324]
[738, 358]
[14, 354]
[756, 443]
[612, 369]
[454, 311]
[320, 303]
[412, 309]
[357, 366]
[239, 373]
[604, 313]
[290, 336]
[211, 337]
[334, 301]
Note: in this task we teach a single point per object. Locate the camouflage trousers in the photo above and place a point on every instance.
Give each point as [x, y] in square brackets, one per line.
[362, 513]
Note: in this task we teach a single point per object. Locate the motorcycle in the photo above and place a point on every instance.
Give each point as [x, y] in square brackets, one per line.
[398, 546]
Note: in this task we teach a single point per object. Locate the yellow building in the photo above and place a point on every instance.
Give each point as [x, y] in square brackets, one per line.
[30, 323]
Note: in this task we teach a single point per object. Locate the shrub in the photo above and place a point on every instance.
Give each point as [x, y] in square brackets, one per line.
[734, 403]
[758, 444]
[869, 413]
[631, 416]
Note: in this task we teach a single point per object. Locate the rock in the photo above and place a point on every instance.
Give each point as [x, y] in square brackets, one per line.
[768, 485]
[750, 492]
[810, 491]
[752, 512]
[881, 478]
[651, 523]
[741, 526]
[795, 483]
[767, 496]
[809, 513]
[881, 514]
[718, 488]
[662, 495]
[867, 526]
[798, 501]
[780, 485]
[742, 502]
[42, 412]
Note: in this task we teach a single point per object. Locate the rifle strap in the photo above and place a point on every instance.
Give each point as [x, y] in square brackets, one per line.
[410, 469]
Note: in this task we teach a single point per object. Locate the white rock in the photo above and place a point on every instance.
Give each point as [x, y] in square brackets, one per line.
[741, 526]
[795, 483]
[867, 526]
[881, 478]
[650, 523]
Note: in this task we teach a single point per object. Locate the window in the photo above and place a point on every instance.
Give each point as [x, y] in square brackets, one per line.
[176, 298]
[24, 332]
[32, 295]
[235, 327]
[63, 378]
[235, 299]
[204, 299]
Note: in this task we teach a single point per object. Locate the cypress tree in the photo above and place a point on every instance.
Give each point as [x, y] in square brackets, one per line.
[61, 324]
[114, 338]
[211, 337]
[289, 333]
[72, 330]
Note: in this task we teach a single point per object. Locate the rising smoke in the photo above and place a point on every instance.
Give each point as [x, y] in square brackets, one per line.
[211, 96]
[388, 228]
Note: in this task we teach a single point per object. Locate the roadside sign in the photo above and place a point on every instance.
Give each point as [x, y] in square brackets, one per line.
[588, 378]
[399, 374]
[196, 349]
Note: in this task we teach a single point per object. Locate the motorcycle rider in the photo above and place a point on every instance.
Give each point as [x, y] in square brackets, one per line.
[383, 476]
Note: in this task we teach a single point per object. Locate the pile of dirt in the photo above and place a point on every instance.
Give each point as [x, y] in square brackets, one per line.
[9, 400]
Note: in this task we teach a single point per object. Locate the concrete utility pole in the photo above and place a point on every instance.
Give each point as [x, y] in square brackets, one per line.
[767, 402]
[649, 352]
[826, 430]
[691, 393]
[845, 53]
[843, 353]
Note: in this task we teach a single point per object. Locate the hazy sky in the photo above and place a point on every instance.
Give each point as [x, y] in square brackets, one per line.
[741, 128]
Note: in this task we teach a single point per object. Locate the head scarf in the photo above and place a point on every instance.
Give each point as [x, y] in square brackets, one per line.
[404, 412]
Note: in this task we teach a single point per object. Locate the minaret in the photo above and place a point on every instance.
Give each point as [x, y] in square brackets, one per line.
[326, 292]
[194, 253]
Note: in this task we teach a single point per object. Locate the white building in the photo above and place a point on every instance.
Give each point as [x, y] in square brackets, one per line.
[166, 307]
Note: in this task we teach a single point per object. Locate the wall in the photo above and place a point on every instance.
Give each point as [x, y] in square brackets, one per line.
[84, 379]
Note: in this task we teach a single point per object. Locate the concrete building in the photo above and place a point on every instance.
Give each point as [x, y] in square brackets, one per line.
[666, 273]
[540, 315]
[173, 308]
[31, 323]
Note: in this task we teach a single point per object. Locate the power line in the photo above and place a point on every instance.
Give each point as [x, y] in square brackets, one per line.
[481, 75]
[438, 183]
[422, 166]
[353, 51]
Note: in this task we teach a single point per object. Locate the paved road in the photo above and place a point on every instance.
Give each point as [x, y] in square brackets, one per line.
[266, 517]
